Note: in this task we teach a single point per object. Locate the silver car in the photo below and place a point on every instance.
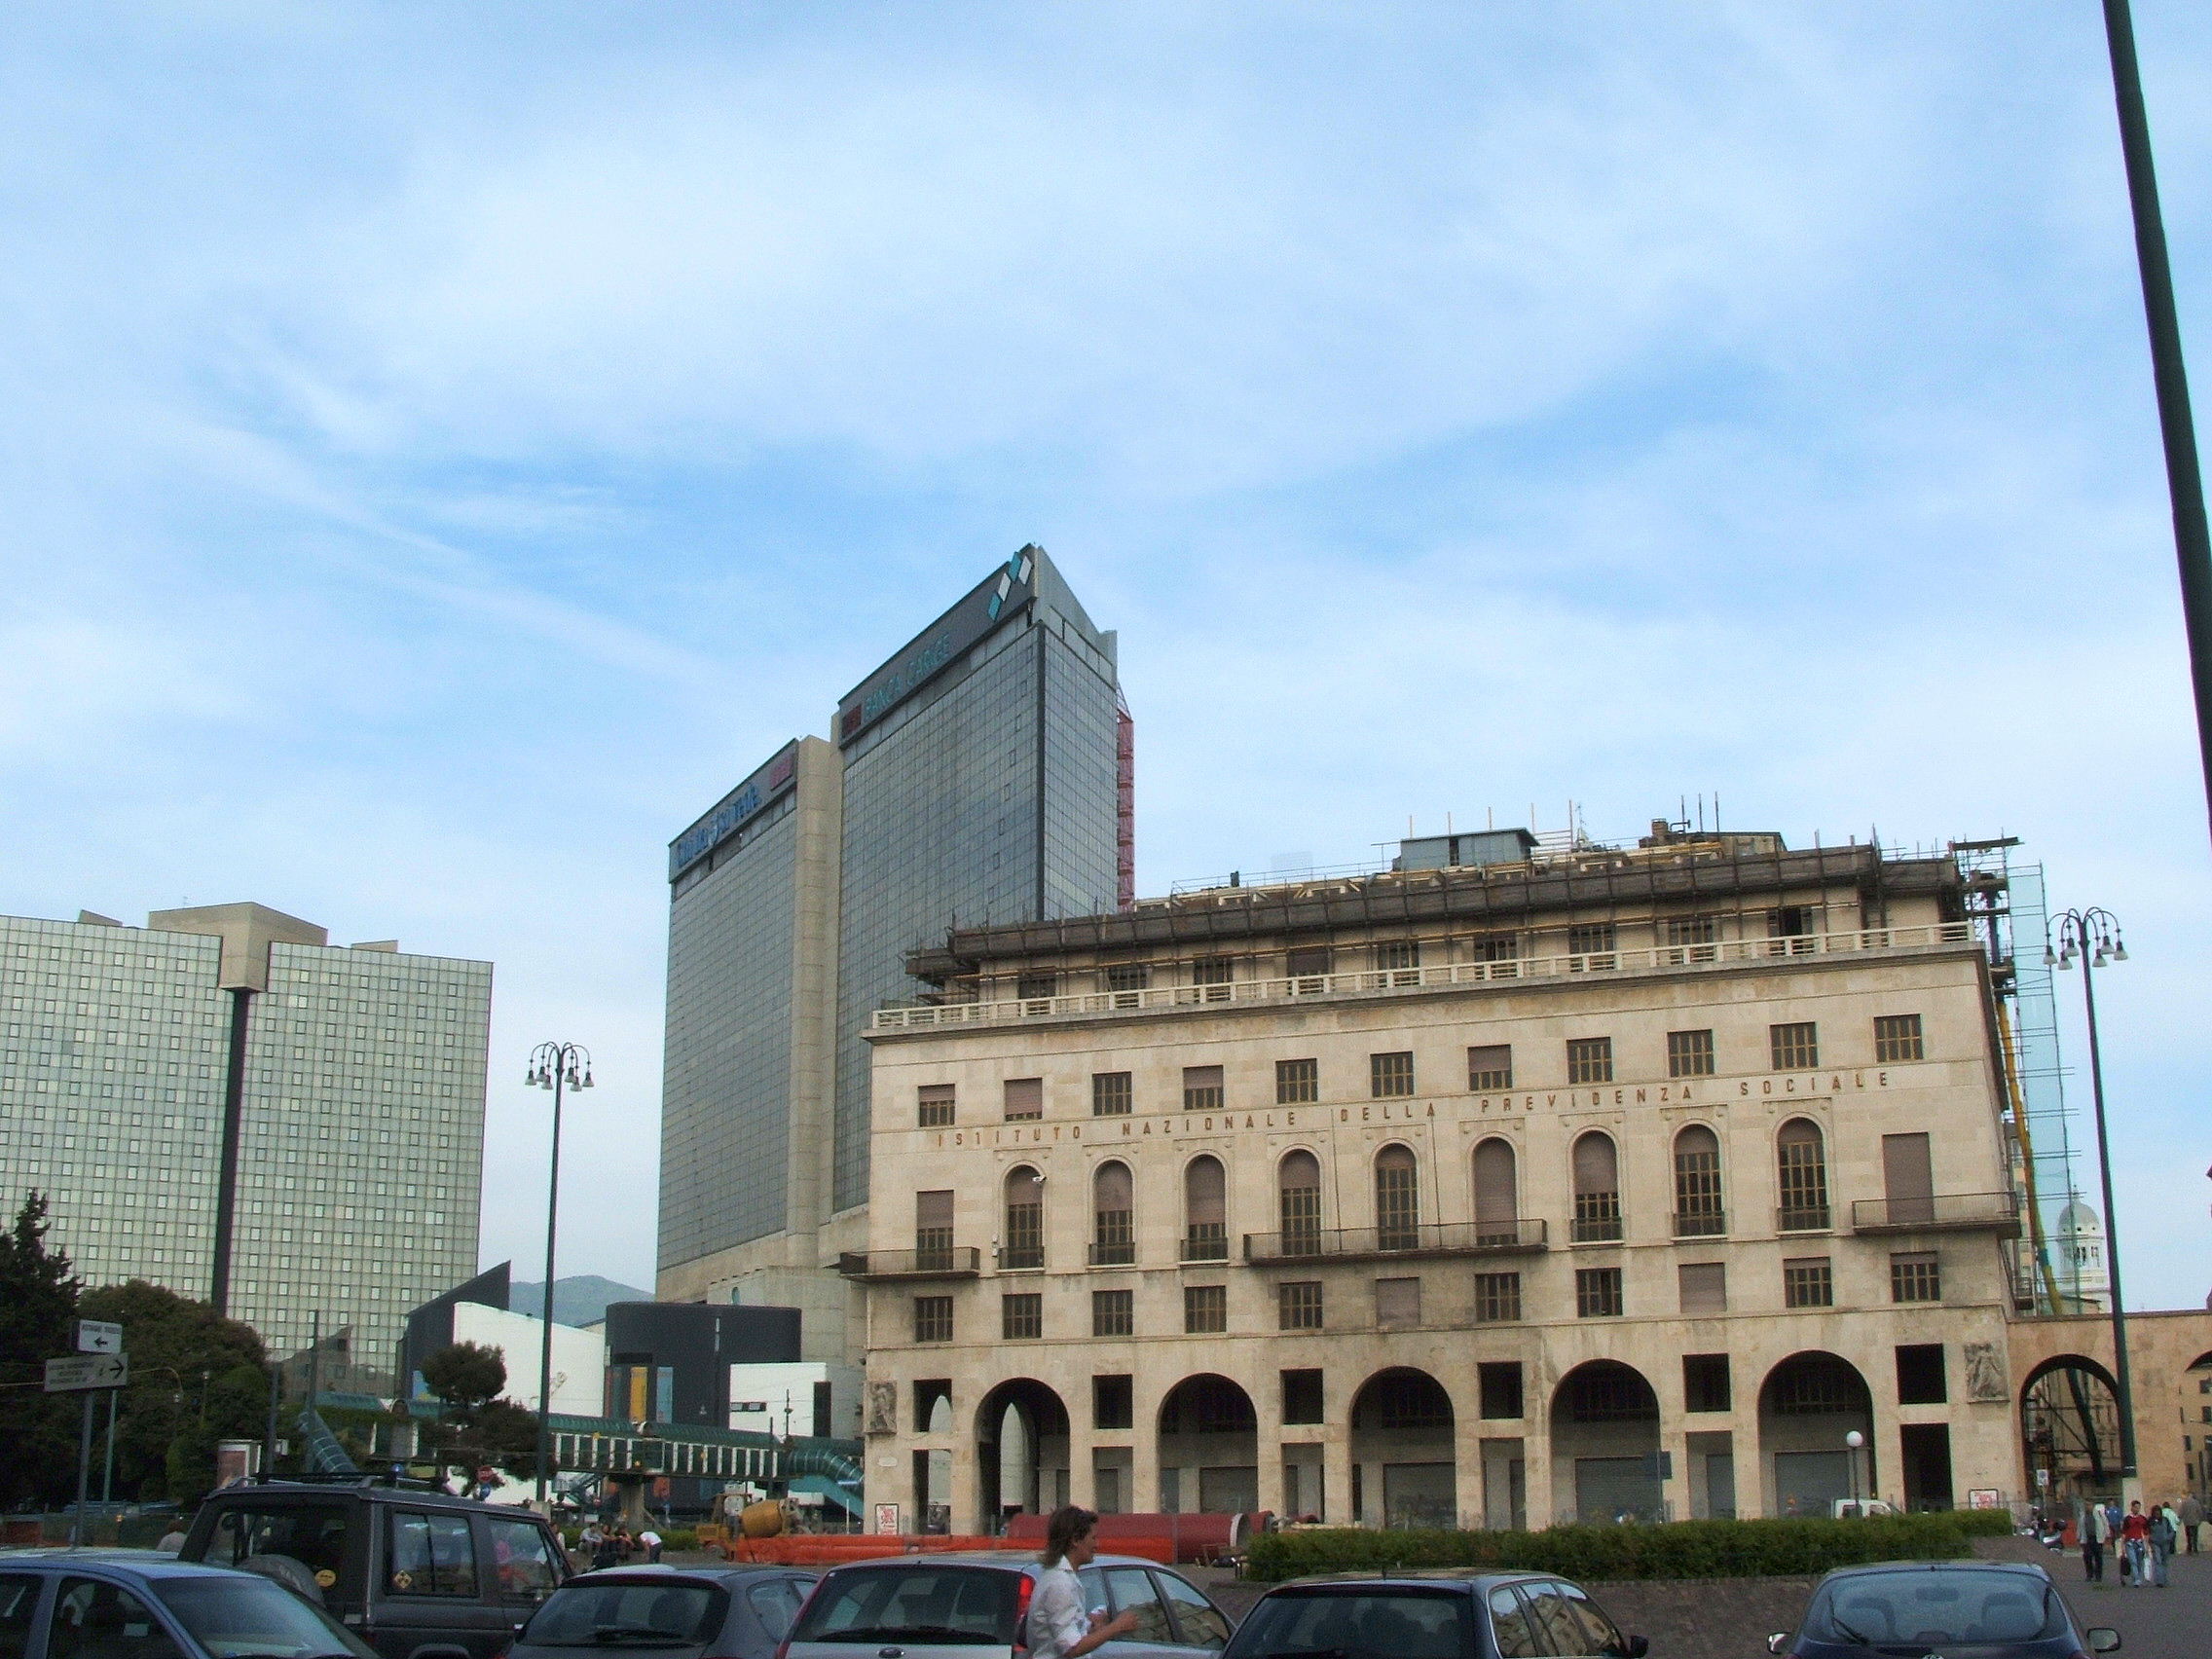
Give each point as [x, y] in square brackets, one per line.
[960, 1605]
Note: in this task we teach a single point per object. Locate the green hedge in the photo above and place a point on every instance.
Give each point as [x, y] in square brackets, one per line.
[1982, 1522]
[1681, 1549]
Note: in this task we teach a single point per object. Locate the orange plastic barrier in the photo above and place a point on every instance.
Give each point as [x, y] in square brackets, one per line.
[1184, 1538]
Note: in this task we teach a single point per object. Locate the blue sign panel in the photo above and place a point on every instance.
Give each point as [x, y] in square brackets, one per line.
[735, 810]
[1006, 590]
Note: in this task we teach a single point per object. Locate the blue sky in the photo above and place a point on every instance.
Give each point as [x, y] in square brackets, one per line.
[445, 448]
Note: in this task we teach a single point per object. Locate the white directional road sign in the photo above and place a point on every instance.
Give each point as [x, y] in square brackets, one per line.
[98, 1336]
[76, 1370]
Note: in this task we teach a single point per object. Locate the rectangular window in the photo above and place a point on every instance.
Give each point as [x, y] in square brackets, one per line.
[1908, 1180]
[929, 1392]
[933, 1318]
[1125, 980]
[1024, 1098]
[1113, 1402]
[1490, 1066]
[1202, 1088]
[1297, 1082]
[1920, 1374]
[933, 1232]
[1808, 1282]
[1590, 1059]
[1896, 1038]
[1021, 1315]
[1113, 1095]
[1791, 923]
[431, 1555]
[1113, 1312]
[1499, 1389]
[1298, 1305]
[1795, 1047]
[1704, 1286]
[1398, 961]
[1689, 1054]
[1307, 969]
[1692, 939]
[1498, 1299]
[1205, 1309]
[1302, 1396]
[1916, 1277]
[1216, 975]
[1397, 1302]
[1391, 1074]
[1591, 946]
[1500, 954]
[1705, 1383]
[1037, 987]
[1597, 1293]
[933, 1110]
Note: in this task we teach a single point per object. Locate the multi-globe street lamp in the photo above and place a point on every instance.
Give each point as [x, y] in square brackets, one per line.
[2093, 935]
[556, 1066]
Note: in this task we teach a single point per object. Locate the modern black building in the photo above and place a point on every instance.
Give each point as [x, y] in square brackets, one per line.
[668, 1362]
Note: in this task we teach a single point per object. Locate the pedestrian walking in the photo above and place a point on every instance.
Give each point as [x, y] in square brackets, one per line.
[2096, 1533]
[652, 1541]
[2163, 1532]
[2192, 1515]
[2135, 1539]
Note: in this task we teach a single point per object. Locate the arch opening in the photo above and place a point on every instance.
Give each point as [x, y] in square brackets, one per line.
[1298, 1203]
[1801, 1176]
[1397, 1199]
[1113, 1216]
[1807, 1405]
[1205, 1210]
[1404, 1470]
[2070, 1427]
[1604, 1429]
[1209, 1449]
[1596, 1189]
[1021, 1452]
[1023, 1244]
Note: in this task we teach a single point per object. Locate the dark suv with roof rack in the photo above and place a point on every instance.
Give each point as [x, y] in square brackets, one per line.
[417, 1573]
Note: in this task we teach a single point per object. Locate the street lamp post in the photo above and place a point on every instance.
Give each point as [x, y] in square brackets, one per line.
[1852, 1441]
[2093, 935]
[556, 1066]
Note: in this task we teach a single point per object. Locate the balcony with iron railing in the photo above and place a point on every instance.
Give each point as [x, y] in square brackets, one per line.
[1701, 1224]
[1397, 1242]
[1207, 1241]
[1447, 975]
[1942, 1212]
[937, 1262]
[1803, 1218]
[1113, 1252]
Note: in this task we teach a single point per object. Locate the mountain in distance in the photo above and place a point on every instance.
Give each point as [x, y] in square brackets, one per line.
[581, 1299]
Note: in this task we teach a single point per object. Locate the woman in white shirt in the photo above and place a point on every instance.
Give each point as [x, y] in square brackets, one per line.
[1060, 1626]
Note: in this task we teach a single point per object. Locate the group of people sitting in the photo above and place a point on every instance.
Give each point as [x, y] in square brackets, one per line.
[613, 1544]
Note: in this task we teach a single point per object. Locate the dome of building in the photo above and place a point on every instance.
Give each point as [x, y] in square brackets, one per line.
[2079, 1218]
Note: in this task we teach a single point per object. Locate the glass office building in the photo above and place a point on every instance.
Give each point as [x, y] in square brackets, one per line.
[359, 1112]
[973, 777]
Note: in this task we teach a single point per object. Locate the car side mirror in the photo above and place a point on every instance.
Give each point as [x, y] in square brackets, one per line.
[2103, 1640]
[1637, 1647]
[1774, 1643]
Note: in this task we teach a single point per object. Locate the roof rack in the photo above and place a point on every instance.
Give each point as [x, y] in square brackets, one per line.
[389, 1477]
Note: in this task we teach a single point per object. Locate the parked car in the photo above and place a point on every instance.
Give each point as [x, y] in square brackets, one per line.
[2002, 1609]
[1431, 1615]
[143, 1604]
[962, 1605]
[705, 1612]
[416, 1573]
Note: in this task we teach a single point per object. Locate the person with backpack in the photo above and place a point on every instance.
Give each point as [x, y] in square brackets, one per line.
[2162, 1535]
[2096, 1533]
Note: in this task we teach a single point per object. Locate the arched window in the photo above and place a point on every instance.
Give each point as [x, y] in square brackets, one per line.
[1497, 1205]
[1297, 1190]
[1397, 1199]
[1698, 1212]
[1802, 1164]
[1113, 1228]
[1206, 1211]
[1023, 1245]
[1596, 1189]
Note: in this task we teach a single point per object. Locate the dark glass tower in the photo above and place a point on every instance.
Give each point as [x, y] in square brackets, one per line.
[980, 776]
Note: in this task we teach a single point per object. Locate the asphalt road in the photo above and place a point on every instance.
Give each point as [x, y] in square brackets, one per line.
[2173, 1623]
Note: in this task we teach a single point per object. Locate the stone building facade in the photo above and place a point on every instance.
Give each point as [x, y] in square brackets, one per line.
[1609, 1183]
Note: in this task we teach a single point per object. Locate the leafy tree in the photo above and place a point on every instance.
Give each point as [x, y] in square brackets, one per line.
[478, 1427]
[465, 1375]
[196, 1377]
[38, 1302]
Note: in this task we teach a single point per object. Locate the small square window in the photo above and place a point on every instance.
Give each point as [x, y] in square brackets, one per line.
[1590, 1059]
[1395, 955]
[1113, 1095]
[1916, 1277]
[1297, 1082]
[1794, 1048]
[1689, 1054]
[1024, 1098]
[1034, 987]
[1397, 1302]
[935, 1107]
[1490, 1066]
[1598, 1293]
[1217, 974]
[1205, 1309]
[1920, 1374]
[1704, 1287]
[1498, 1297]
[1591, 946]
[1310, 967]
[1499, 1389]
[933, 1318]
[1113, 1402]
[1113, 1313]
[1390, 1075]
[1896, 1038]
[1127, 976]
[1202, 1088]
[1809, 1281]
[1021, 1315]
[1705, 1383]
[1302, 1396]
[1298, 1305]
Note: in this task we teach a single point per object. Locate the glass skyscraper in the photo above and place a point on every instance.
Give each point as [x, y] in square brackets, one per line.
[975, 778]
[347, 1085]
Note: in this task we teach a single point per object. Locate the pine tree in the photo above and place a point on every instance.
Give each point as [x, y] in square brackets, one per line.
[38, 1302]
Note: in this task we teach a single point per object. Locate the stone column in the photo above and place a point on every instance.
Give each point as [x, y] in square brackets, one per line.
[1336, 1480]
[1270, 1444]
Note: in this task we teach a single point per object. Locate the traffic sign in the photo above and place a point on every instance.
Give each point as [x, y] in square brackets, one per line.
[98, 1336]
[78, 1371]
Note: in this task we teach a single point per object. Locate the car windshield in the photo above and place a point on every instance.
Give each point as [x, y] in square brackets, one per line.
[1917, 1611]
[252, 1618]
[1367, 1624]
[919, 1605]
[633, 1614]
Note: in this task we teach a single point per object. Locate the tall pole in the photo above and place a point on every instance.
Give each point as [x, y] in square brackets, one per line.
[107, 1476]
[545, 1345]
[2111, 1234]
[83, 1474]
[2184, 483]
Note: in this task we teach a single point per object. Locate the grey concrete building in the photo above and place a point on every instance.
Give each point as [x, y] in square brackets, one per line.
[980, 777]
[223, 1103]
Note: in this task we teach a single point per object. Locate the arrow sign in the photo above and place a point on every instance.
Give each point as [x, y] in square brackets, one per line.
[78, 1371]
[98, 1336]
